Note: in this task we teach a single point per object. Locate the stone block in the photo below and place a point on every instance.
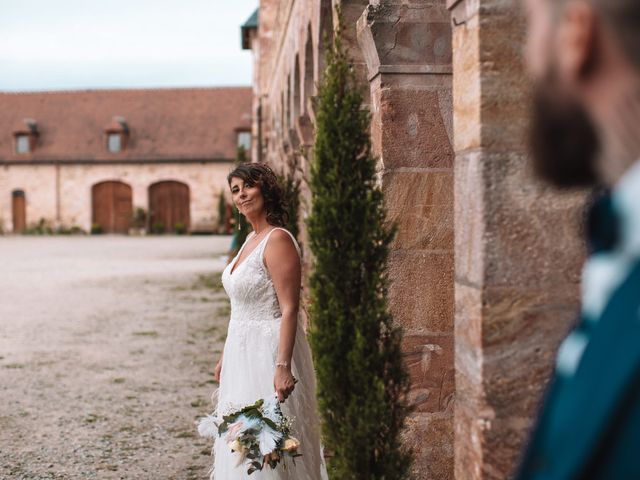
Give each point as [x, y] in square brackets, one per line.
[429, 359]
[469, 218]
[421, 294]
[466, 87]
[431, 438]
[413, 131]
[421, 203]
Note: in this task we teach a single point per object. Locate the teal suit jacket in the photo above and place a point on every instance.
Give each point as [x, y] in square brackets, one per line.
[589, 427]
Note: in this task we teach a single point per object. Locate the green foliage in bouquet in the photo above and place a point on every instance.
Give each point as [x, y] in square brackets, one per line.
[362, 380]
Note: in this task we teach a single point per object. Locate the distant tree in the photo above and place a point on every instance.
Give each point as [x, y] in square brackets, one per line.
[222, 212]
[362, 380]
[242, 227]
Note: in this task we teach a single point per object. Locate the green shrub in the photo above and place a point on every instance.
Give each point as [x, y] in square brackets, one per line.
[180, 228]
[362, 381]
[158, 227]
[96, 229]
[43, 227]
[139, 219]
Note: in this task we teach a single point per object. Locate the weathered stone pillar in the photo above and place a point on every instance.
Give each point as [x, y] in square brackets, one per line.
[517, 250]
[407, 47]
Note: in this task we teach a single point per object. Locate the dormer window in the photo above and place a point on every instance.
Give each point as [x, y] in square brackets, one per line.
[22, 143]
[115, 142]
[117, 133]
[244, 140]
[25, 136]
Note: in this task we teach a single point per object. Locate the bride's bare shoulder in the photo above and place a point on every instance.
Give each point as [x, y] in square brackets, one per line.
[280, 244]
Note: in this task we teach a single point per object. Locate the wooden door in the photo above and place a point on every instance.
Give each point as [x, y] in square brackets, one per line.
[169, 207]
[19, 211]
[112, 206]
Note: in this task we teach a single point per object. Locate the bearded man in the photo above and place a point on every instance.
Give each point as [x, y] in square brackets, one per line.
[584, 57]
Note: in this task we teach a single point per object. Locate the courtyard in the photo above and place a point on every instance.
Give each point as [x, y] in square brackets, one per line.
[107, 350]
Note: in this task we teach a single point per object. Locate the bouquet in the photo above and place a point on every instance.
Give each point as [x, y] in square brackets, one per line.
[258, 434]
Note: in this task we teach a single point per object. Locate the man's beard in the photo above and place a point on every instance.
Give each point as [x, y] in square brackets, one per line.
[563, 140]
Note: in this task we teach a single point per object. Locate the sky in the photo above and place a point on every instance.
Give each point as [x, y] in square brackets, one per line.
[86, 44]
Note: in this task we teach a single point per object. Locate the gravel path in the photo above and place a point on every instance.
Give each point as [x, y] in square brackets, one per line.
[107, 348]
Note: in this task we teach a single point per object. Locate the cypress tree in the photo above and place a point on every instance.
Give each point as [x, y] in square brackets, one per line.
[362, 380]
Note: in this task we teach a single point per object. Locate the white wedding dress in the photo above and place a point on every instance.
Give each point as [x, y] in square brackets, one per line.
[248, 369]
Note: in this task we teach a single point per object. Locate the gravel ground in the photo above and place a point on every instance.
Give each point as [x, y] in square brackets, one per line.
[107, 349]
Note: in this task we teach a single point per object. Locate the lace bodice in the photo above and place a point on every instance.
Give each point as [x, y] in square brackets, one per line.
[250, 288]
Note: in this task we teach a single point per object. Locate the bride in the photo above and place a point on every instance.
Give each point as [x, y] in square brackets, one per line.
[266, 349]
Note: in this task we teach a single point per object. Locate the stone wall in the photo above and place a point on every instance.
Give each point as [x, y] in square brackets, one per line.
[70, 203]
[407, 47]
[409, 96]
[517, 249]
[483, 314]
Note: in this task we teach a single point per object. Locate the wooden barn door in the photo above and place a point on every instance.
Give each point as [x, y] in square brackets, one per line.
[19, 211]
[169, 207]
[112, 206]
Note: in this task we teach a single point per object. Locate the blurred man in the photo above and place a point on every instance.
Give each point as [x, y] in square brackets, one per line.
[584, 56]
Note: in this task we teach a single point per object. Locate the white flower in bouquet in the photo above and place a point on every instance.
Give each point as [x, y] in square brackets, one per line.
[291, 444]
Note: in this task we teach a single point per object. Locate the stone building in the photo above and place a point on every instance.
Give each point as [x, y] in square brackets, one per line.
[92, 158]
[485, 268]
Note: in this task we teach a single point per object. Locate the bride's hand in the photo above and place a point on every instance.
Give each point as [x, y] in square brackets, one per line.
[217, 370]
[283, 382]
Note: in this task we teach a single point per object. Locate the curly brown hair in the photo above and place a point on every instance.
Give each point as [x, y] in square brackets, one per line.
[261, 174]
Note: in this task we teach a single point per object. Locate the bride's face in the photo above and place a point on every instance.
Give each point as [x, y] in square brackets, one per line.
[247, 198]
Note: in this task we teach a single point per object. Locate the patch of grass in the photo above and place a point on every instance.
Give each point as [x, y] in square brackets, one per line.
[131, 397]
[23, 413]
[223, 310]
[212, 281]
[198, 403]
[15, 365]
[190, 342]
[186, 434]
[210, 330]
[146, 333]
[127, 428]
[93, 418]
[139, 351]
[118, 380]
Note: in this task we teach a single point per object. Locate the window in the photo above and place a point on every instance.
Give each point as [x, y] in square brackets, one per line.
[23, 144]
[244, 140]
[115, 142]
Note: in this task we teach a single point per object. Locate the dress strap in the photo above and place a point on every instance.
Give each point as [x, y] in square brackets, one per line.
[266, 240]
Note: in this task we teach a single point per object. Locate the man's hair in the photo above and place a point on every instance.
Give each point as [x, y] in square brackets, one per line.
[623, 16]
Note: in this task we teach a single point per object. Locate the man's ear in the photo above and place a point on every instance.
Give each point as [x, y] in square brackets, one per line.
[576, 40]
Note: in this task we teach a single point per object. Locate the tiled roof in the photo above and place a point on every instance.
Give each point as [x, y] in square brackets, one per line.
[164, 124]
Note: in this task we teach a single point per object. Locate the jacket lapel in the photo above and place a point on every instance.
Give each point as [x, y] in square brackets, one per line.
[612, 359]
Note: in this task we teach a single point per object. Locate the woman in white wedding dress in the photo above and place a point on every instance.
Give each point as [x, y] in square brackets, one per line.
[266, 348]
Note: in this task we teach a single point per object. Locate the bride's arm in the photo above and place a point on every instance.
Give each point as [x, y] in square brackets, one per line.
[283, 263]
